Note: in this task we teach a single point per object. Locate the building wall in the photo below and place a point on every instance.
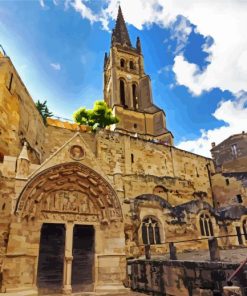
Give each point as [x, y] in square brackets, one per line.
[145, 165]
[229, 189]
[19, 118]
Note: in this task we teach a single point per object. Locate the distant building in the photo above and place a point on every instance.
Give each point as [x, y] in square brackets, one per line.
[230, 180]
[231, 154]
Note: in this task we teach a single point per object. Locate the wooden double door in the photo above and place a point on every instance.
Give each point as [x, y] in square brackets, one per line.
[51, 258]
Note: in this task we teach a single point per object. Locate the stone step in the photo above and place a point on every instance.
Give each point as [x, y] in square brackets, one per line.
[22, 293]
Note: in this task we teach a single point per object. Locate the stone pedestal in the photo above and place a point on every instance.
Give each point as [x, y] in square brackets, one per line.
[147, 252]
[213, 249]
[173, 251]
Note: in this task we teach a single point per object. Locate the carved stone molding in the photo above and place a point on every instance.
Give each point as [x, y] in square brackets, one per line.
[69, 192]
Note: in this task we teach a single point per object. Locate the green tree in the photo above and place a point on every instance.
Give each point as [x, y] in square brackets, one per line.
[98, 117]
[43, 110]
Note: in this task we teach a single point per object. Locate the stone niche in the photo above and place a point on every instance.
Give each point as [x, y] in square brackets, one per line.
[71, 200]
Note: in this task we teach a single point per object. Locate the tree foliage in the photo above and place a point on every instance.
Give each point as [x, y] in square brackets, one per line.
[99, 117]
[43, 110]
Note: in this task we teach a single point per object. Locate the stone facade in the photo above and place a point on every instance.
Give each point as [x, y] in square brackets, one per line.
[230, 180]
[121, 188]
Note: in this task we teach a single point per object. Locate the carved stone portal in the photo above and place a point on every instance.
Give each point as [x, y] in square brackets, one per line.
[69, 192]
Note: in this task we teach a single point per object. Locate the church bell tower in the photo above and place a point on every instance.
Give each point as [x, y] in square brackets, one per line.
[127, 89]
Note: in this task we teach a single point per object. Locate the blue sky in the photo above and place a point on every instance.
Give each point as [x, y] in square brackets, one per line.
[58, 49]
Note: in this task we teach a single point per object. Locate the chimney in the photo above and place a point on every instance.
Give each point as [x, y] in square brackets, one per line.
[213, 144]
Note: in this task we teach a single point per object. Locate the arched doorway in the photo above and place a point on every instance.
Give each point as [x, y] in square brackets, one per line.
[134, 96]
[82, 210]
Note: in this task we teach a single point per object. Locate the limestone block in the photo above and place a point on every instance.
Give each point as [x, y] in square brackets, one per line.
[232, 291]
[204, 292]
[108, 261]
[173, 282]
[9, 166]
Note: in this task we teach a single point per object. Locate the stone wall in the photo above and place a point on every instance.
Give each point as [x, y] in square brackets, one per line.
[19, 118]
[230, 189]
[144, 165]
[183, 278]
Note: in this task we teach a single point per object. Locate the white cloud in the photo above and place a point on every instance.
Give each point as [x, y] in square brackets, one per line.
[233, 113]
[186, 74]
[84, 10]
[55, 66]
[181, 30]
[42, 3]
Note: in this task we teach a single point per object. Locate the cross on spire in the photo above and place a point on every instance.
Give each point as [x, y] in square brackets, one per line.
[120, 33]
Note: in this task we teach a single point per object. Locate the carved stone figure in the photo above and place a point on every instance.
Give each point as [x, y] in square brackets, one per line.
[76, 152]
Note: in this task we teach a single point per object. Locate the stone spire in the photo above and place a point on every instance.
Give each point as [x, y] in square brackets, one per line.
[23, 163]
[120, 33]
[138, 45]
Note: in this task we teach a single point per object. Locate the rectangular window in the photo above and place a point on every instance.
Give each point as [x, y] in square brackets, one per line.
[234, 150]
[132, 158]
[239, 198]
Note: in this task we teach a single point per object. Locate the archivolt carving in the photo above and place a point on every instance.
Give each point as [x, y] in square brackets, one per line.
[69, 191]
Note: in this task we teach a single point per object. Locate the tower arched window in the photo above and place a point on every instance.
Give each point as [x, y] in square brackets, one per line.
[206, 225]
[134, 96]
[132, 65]
[122, 63]
[150, 231]
[1, 157]
[122, 92]
[245, 229]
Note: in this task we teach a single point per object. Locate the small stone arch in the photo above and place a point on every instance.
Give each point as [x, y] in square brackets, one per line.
[122, 92]
[73, 183]
[161, 191]
[122, 63]
[132, 65]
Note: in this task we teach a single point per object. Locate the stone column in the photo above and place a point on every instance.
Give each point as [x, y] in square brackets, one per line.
[67, 289]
